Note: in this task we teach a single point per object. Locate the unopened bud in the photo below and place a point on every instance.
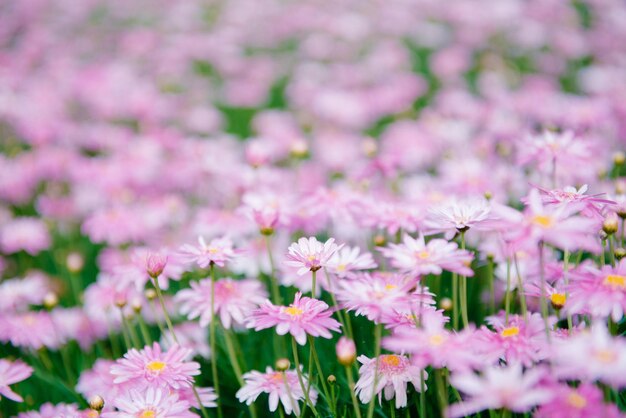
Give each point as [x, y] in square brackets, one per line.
[346, 351]
[120, 302]
[620, 253]
[267, 231]
[299, 149]
[74, 262]
[282, 364]
[488, 195]
[619, 158]
[379, 240]
[445, 304]
[331, 379]
[136, 305]
[155, 264]
[50, 300]
[370, 147]
[150, 294]
[96, 403]
[610, 225]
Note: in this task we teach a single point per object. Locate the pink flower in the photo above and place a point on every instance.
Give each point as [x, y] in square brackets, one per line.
[151, 367]
[499, 387]
[49, 410]
[308, 254]
[458, 215]
[218, 251]
[27, 234]
[415, 256]
[346, 351]
[590, 356]
[234, 300]
[304, 316]
[376, 295]
[394, 372]
[591, 205]
[585, 401]
[347, 259]
[30, 329]
[518, 341]
[598, 292]
[155, 264]
[153, 402]
[12, 372]
[280, 386]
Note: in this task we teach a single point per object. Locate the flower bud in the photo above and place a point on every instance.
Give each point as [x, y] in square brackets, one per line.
[370, 147]
[155, 264]
[379, 240]
[619, 158]
[299, 149]
[120, 302]
[50, 300]
[136, 305]
[282, 364]
[96, 403]
[445, 304]
[619, 253]
[74, 262]
[150, 294]
[610, 225]
[346, 351]
[331, 379]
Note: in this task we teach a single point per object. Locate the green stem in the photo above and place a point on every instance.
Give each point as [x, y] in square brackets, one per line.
[520, 287]
[145, 334]
[131, 332]
[422, 395]
[156, 317]
[294, 348]
[612, 249]
[463, 283]
[235, 363]
[492, 293]
[318, 366]
[544, 302]
[455, 301]
[345, 323]
[507, 295]
[276, 299]
[313, 282]
[351, 385]
[67, 364]
[214, 342]
[566, 280]
[443, 401]
[378, 330]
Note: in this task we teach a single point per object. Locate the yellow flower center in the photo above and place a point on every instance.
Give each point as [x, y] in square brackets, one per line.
[390, 286]
[148, 413]
[156, 366]
[605, 356]
[576, 400]
[213, 250]
[615, 281]
[422, 255]
[293, 311]
[277, 377]
[92, 414]
[390, 360]
[543, 221]
[311, 258]
[558, 299]
[509, 332]
[341, 267]
[436, 339]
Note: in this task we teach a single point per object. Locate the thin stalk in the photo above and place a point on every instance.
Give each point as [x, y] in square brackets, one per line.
[156, 317]
[492, 293]
[318, 366]
[235, 363]
[313, 282]
[276, 299]
[345, 323]
[127, 341]
[67, 365]
[507, 296]
[422, 396]
[214, 342]
[455, 301]
[355, 403]
[443, 401]
[131, 332]
[294, 348]
[463, 283]
[544, 302]
[378, 330]
[566, 280]
[520, 287]
[145, 334]
[612, 249]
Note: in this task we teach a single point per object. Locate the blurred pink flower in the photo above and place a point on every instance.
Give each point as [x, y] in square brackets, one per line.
[27, 234]
[218, 252]
[152, 402]
[10, 373]
[308, 254]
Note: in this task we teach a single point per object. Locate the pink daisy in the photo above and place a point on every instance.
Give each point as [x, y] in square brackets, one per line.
[218, 252]
[590, 205]
[415, 256]
[234, 300]
[151, 403]
[499, 387]
[151, 367]
[394, 372]
[49, 410]
[304, 316]
[280, 386]
[27, 234]
[458, 215]
[348, 259]
[585, 401]
[12, 372]
[308, 254]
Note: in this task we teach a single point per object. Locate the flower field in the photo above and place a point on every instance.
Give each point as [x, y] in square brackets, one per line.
[349, 208]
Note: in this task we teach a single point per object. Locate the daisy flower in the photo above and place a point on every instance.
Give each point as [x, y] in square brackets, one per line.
[576, 199]
[376, 295]
[218, 252]
[499, 387]
[12, 372]
[151, 403]
[234, 300]
[518, 341]
[280, 386]
[394, 372]
[415, 256]
[458, 215]
[308, 254]
[49, 410]
[586, 400]
[304, 316]
[599, 292]
[347, 260]
[29, 329]
[590, 356]
[152, 367]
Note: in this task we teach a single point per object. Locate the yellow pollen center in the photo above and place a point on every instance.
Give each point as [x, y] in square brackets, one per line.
[155, 366]
[543, 221]
[605, 356]
[390, 286]
[576, 400]
[390, 360]
[436, 339]
[509, 332]
[147, 414]
[422, 255]
[615, 281]
[293, 311]
[341, 267]
[558, 299]
[277, 377]
[213, 250]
